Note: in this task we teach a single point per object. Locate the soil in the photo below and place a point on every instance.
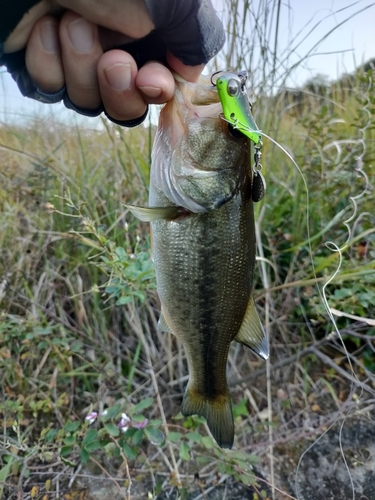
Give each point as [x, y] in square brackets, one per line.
[323, 474]
[101, 488]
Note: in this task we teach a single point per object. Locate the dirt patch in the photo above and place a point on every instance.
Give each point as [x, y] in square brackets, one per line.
[323, 474]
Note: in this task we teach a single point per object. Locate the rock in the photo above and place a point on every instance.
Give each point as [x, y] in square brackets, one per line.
[323, 475]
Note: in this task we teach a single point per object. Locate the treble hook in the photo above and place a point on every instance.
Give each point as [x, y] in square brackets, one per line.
[242, 75]
[217, 73]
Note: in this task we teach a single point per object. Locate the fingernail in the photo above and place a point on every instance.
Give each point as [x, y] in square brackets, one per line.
[151, 91]
[82, 35]
[48, 36]
[119, 76]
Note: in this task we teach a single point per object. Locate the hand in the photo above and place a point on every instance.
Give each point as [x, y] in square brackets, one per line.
[76, 50]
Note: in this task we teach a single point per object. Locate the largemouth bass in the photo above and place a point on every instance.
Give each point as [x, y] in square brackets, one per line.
[202, 220]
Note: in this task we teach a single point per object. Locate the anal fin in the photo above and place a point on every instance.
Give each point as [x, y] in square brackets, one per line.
[252, 334]
[163, 325]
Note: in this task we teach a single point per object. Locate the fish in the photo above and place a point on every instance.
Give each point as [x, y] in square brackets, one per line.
[203, 244]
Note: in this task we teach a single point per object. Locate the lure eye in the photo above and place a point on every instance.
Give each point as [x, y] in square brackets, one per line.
[233, 86]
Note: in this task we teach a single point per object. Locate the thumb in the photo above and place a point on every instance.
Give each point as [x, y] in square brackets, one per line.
[189, 73]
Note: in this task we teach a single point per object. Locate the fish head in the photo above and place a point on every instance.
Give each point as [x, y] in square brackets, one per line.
[199, 159]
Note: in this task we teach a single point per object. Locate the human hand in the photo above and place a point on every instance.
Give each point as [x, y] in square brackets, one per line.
[76, 50]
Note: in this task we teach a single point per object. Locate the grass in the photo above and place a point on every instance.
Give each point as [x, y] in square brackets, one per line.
[78, 305]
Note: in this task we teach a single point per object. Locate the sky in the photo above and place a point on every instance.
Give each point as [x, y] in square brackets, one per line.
[345, 48]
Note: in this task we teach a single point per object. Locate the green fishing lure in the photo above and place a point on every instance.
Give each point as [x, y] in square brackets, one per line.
[231, 88]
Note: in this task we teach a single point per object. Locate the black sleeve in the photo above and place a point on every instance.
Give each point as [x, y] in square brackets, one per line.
[190, 29]
[11, 14]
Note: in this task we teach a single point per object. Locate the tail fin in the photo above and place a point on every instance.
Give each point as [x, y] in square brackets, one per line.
[217, 411]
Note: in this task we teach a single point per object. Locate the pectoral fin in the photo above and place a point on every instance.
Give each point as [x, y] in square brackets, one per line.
[151, 214]
[251, 333]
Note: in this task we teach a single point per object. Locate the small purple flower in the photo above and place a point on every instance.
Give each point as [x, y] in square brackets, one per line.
[141, 425]
[124, 422]
[91, 417]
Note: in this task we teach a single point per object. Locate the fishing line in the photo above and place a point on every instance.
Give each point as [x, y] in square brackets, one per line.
[333, 247]
[231, 114]
[322, 296]
[322, 292]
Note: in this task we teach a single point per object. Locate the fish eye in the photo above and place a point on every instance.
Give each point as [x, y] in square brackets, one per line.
[233, 86]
